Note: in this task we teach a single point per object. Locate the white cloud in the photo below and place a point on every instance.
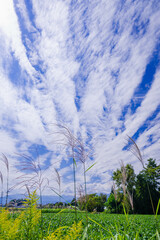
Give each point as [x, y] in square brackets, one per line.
[10, 28]
[7, 143]
[60, 67]
[23, 10]
[80, 51]
[148, 106]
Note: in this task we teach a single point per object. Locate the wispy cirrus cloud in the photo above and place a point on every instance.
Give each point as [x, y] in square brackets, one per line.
[93, 66]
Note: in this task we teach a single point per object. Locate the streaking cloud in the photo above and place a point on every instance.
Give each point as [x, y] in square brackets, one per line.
[93, 66]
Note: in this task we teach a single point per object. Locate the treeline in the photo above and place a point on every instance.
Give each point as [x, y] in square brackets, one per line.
[136, 193]
[133, 193]
[92, 202]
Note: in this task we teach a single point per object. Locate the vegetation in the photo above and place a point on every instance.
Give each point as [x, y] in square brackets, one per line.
[92, 202]
[138, 193]
[109, 226]
[26, 225]
[130, 193]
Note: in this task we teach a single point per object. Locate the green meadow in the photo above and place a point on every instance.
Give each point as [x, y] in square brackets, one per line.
[108, 226]
[31, 224]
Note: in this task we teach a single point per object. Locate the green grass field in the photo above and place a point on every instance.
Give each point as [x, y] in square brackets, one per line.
[106, 225]
[28, 224]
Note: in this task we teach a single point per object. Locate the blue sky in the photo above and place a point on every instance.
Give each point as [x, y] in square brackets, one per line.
[91, 65]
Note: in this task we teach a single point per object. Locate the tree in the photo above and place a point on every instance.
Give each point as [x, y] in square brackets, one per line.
[114, 201]
[125, 182]
[94, 202]
[103, 197]
[91, 202]
[74, 202]
[141, 191]
[147, 191]
[111, 204]
[130, 177]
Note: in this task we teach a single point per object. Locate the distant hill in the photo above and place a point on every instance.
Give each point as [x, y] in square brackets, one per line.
[45, 199]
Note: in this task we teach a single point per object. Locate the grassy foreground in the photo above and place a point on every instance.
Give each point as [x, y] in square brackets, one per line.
[62, 226]
[32, 223]
[109, 226]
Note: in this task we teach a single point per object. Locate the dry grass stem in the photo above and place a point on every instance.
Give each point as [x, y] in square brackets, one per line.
[1, 179]
[58, 180]
[135, 150]
[114, 191]
[4, 159]
[130, 196]
[70, 141]
[33, 177]
[81, 193]
[124, 177]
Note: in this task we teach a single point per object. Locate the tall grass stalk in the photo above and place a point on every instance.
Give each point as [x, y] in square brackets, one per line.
[58, 180]
[136, 151]
[1, 179]
[82, 156]
[75, 192]
[115, 195]
[81, 195]
[70, 141]
[33, 177]
[6, 163]
[126, 192]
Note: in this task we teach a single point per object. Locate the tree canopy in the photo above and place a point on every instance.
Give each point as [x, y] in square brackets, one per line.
[139, 193]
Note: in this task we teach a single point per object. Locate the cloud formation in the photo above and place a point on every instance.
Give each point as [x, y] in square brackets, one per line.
[92, 66]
